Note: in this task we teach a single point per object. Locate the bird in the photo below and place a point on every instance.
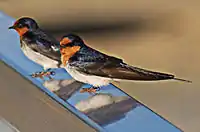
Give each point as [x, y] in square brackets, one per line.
[88, 65]
[38, 46]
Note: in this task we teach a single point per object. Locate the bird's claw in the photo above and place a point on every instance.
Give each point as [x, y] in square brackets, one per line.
[43, 74]
[90, 90]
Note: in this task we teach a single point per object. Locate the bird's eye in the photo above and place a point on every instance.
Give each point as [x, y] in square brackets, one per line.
[20, 26]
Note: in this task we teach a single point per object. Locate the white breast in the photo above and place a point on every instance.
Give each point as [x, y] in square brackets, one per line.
[96, 81]
[39, 58]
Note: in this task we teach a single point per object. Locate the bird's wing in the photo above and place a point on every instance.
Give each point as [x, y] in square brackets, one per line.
[93, 62]
[45, 45]
[119, 71]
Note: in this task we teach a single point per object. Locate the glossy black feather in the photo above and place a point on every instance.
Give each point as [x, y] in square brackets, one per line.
[118, 71]
[92, 62]
[42, 43]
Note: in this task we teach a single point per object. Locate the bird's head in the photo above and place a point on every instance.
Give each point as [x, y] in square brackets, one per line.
[69, 45]
[23, 25]
[71, 40]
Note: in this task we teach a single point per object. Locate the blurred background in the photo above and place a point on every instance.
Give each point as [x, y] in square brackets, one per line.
[160, 35]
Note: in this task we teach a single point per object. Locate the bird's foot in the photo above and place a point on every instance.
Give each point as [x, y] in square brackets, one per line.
[43, 74]
[92, 90]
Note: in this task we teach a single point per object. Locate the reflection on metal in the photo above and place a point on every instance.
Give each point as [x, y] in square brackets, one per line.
[106, 108]
[5, 126]
[63, 88]
[103, 108]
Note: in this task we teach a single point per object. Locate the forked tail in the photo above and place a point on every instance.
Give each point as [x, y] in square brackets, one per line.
[135, 73]
[183, 80]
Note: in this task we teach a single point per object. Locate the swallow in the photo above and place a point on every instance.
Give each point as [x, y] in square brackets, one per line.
[38, 45]
[90, 66]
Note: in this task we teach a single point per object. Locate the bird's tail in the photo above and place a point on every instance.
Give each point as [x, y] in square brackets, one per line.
[147, 75]
[183, 80]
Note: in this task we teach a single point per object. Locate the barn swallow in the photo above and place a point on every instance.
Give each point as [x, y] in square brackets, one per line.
[38, 46]
[90, 66]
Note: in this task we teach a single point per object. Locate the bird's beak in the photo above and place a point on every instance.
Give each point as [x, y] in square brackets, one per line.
[12, 27]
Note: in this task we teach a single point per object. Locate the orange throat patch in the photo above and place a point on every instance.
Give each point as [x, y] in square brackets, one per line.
[67, 53]
[21, 31]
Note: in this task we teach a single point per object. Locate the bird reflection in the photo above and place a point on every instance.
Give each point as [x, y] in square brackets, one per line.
[105, 108]
[63, 88]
